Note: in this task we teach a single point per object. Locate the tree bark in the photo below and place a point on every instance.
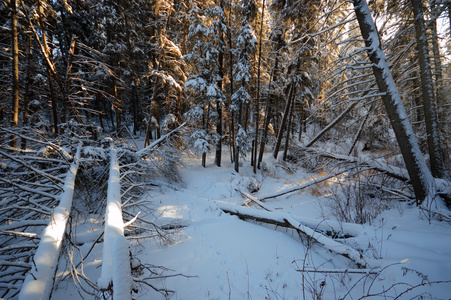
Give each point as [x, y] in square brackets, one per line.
[287, 136]
[15, 70]
[422, 181]
[438, 70]
[284, 120]
[257, 102]
[219, 130]
[28, 93]
[427, 89]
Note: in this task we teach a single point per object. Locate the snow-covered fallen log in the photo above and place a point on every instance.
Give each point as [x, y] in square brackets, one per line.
[327, 227]
[115, 247]
[288, 221]
[39, 281]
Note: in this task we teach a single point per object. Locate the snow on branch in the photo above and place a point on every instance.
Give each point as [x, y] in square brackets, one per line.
[39, 281]
[141, 153]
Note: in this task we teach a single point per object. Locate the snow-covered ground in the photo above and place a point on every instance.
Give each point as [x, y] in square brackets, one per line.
[218, 256]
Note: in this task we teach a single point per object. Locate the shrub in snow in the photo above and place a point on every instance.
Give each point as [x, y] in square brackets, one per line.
[243, 140]
[202, 142]
[355, 202]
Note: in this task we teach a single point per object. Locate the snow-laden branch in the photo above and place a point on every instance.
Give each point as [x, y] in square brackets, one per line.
[39, 281]
[25, 164]
[116, 264]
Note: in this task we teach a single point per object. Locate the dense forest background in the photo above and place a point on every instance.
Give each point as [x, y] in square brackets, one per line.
[249, 74]
[356, 90]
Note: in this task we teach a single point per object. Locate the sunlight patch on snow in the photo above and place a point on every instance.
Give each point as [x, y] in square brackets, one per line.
[171, 211]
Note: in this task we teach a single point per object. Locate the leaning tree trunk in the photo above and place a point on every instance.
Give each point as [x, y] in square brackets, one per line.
[421, 178]
[427, 89]
[15, 69]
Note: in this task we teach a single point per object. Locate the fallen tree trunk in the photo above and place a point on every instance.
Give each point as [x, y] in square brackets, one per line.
[116, 263]
[330, 228]
[286, 220]
[39, 281]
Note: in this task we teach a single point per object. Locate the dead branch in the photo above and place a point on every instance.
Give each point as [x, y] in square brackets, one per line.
[340, 271]
[305, 185]
[375, 164]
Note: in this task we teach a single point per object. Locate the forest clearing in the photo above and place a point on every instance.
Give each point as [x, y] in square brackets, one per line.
[225, 149]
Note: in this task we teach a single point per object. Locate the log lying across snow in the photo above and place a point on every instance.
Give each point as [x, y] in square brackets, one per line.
[288, 221]
[328, 227]
[39, 281]
[116, 262]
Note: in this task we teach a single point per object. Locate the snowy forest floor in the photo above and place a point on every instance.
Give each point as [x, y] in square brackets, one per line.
[214, 255]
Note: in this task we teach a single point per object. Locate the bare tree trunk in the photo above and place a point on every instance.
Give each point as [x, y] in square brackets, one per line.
[422, 181]
[219, 103]
[28, 82]
[206, 122]
[287, 137]
[15, 69]
[50, 71]
[427, 88]
[438, 70]
[99, 109]
[117, 108]
[284, 120]
[238, 128]
[257, 103]
[219, 132]
[135, 101]
[268, 113]
[70, 59]
[265, 127]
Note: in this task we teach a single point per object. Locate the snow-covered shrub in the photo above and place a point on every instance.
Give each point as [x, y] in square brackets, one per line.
[243, 140]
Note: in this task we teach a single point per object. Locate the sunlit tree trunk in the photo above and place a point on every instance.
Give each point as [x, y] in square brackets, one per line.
[420, 176]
